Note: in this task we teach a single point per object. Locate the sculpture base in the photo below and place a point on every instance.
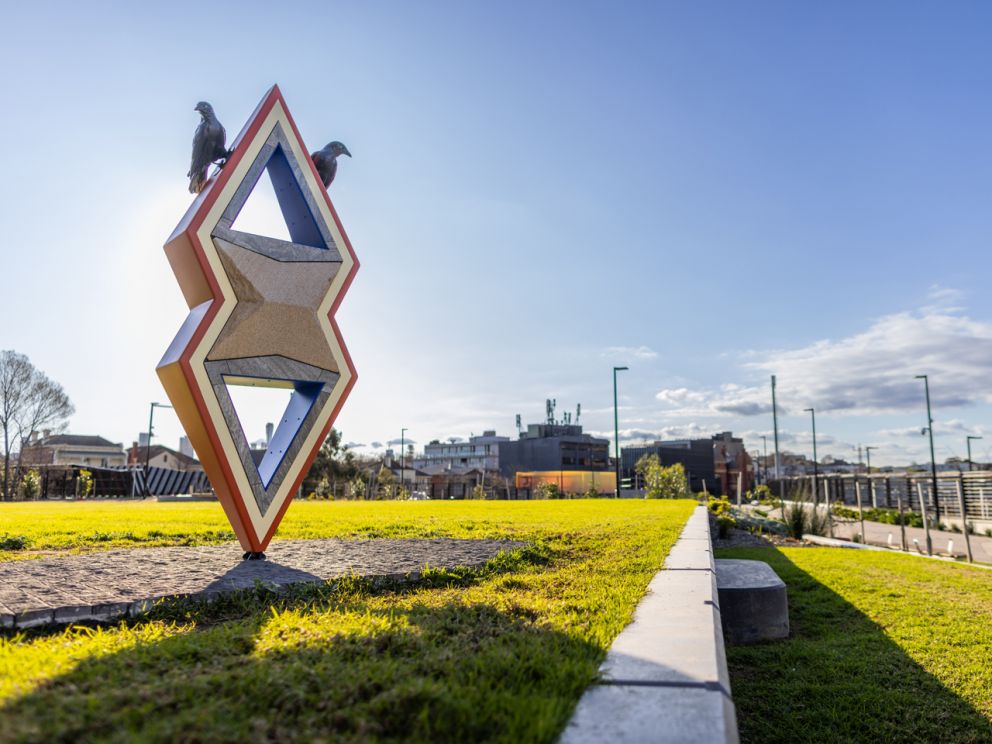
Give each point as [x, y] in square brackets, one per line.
[252, 556]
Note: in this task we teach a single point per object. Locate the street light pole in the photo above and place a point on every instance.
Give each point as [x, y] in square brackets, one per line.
[868, 449]
[970, 464]
[816, 467]
[402, 457]
[148, 444]
[933, 460]
[616, 425]
[775, 426]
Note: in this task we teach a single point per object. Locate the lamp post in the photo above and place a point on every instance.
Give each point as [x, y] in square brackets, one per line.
[148, 444]
[933, 461]
[970, 464]
[616, 424]
[816, 470]
[868, 449]
[402, 457]
[775, 426]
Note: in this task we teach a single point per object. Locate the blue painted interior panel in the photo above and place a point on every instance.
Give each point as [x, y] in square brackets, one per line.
[299, 219]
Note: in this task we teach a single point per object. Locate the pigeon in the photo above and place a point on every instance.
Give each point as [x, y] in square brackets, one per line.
[326, 161]
[208, 147]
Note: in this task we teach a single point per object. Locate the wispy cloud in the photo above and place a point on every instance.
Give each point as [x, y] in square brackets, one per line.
[629, 352]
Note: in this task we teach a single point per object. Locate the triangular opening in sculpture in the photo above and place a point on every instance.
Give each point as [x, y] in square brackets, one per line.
[276, 206]
[261, 214]
[271, 415]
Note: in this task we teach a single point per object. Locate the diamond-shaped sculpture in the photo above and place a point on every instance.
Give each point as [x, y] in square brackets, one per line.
[261, 314]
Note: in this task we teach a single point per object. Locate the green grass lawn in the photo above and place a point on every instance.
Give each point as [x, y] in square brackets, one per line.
[502, 653]
[884, 648]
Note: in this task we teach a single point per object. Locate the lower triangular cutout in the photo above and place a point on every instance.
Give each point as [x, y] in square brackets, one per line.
[246, 390]
[258, 408]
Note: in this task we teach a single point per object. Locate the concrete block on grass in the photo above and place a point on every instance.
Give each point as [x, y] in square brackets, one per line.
[754, 605]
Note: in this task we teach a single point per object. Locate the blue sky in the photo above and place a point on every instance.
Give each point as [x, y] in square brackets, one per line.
[706, 192]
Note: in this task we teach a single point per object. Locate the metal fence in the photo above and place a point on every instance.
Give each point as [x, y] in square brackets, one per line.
[886, 490]
[62, 482]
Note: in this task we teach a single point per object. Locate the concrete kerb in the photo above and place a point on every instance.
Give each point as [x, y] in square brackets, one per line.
[665, 677]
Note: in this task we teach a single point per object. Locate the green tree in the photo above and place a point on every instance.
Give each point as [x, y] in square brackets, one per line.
[386, 479]
[29, 401]
[661, 482]
[333, 463]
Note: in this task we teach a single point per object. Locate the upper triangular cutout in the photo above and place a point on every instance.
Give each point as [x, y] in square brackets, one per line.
[261, 214]
[282, 190]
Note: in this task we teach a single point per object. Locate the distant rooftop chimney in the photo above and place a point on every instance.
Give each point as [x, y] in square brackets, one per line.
[269, 428]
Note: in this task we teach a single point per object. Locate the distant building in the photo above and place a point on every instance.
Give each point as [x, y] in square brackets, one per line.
[732, 463]
[480, 452]
[554, 449]
[73, 449]
[711, 464]
[160, 456]
[185, 447]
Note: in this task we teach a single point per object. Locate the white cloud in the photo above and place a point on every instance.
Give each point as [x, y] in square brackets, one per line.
[630, 352]
[871, 372]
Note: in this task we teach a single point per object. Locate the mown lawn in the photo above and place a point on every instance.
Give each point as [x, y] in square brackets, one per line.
[502, 653]
[884, 648]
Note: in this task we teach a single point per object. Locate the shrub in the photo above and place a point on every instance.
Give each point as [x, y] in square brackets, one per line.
[356, 487]
[13, 542]
[720, 508]
[548, 491]
[84, 483]
[31, 485]
[803, 518]
[885, 516]
[763, 495]
[795, 519]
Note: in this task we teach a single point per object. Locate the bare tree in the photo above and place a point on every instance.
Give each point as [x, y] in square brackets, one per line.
[29, 400]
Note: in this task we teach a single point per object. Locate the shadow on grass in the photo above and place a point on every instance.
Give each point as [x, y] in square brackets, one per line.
[839, 677]
[322, 663]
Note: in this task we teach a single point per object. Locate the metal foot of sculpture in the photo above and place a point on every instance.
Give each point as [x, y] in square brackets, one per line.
[253, 556]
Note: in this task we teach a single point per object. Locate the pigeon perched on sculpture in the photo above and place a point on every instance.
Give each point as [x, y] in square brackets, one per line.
[209, 146]
[326, 161]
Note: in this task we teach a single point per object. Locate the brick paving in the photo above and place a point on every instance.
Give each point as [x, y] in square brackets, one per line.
[107, 585]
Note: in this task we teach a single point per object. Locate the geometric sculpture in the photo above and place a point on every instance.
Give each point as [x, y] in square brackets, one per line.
[261, 314]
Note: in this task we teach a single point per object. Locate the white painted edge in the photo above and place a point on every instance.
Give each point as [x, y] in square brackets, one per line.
[665, 677]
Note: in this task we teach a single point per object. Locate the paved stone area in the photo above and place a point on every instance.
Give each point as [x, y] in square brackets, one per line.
[107, 585]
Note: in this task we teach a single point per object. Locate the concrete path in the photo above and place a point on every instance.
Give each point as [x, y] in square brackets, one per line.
[877, 533]
[107, 585]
